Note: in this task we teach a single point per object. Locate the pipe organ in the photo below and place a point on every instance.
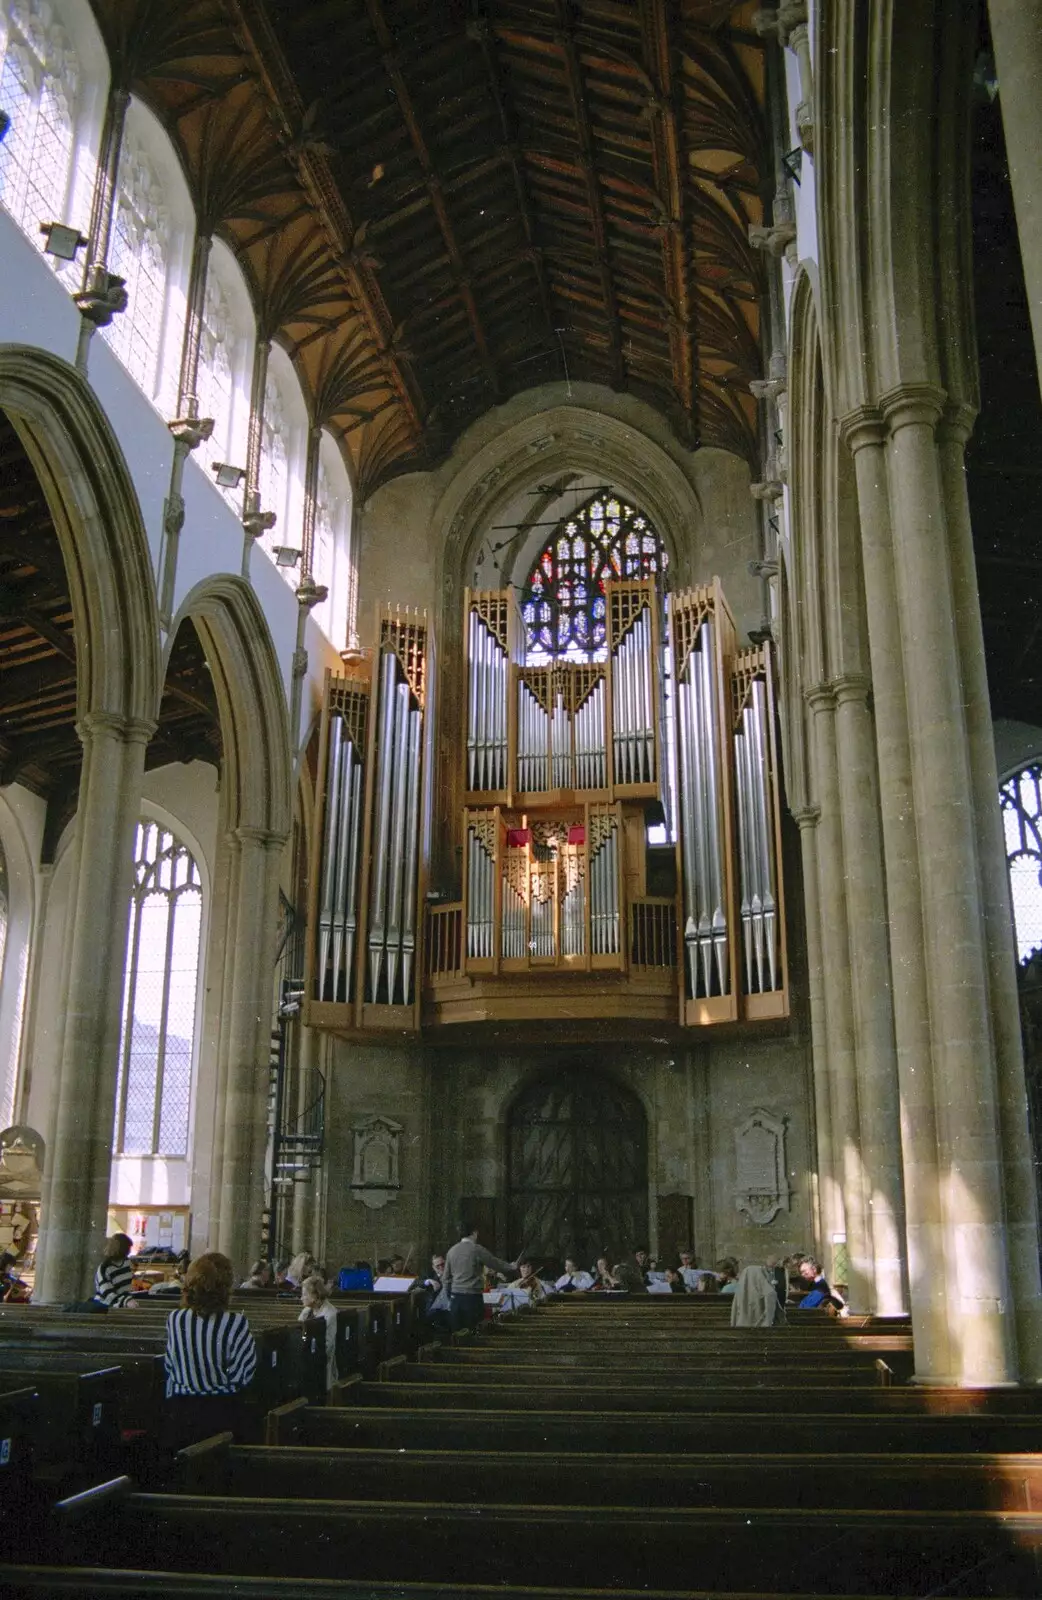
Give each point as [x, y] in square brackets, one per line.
[369, 878]
[561, 907]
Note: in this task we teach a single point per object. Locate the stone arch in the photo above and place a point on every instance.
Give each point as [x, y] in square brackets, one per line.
[254, 717]
[98, 521]
[562, 438]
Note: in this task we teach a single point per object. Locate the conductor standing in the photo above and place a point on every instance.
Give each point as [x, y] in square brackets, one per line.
[464, 1279]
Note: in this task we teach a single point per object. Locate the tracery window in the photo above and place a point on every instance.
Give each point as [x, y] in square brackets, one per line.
[562, 602]
[153, 1092]
[215, 382]
[139, 251]
[1021, 800]
[39, 81]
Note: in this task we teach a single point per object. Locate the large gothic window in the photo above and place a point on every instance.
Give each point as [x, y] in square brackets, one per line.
[562, 603]
[1021, 800]
[39, 80]
[154, 1087]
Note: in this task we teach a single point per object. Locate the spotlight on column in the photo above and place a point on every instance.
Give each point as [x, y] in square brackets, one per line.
[5, 123]
[61, 241]
[285, 555]
[228, 477]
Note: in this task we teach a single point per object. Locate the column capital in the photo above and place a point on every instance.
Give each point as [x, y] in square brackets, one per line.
[246, 834]
[128, 730]
[806, 817]
[912, 405]
[820, 697]
[851, 686]
[956, 424]
[861, 428]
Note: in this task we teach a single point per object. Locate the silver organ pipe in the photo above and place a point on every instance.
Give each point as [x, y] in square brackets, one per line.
[487, 688]
[705, 908]
[604, 892]
[338, 913]
[480, 896]
[573, 902]
[533, 738]
[513, 889]
[756, 842]
[332, 834]
[633, 730]
[395, 840]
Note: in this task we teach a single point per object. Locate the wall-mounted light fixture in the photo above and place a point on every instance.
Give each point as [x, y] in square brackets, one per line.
[285, 555]
[228, 477]
[62, 241]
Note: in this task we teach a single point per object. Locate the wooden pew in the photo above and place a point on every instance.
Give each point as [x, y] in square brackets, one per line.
[673, 1379]
[917, 1482]
[141, 1385]
[756, 1548]
[19, 1418]
[377, 1427]
[77, 1417]
[749, 1396]
[290, 1354]
[32, 1583]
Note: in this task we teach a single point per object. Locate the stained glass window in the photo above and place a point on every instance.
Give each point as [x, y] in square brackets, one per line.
[154, 1085]
[39, 77]
[562, 603]
[1021, 801]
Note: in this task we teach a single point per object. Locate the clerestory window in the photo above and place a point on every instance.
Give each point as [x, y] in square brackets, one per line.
[1021, 800]
[153, 1094]
[39, 83]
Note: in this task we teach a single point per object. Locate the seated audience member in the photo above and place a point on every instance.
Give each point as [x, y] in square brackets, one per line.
[819, 1294]
[301, 1267]
[603, 1277]
[529, 1282]
[675, 1281]
[573, 1277]
[261, 1276]
[643, 1263]
[726, 1275]
[12, 1290]
[398, 1268]
[629, 1277]
[693, 1275]
[210, 1356]
[755, 1302]
[436, 1305]
[314, 1295]
[114, 1278]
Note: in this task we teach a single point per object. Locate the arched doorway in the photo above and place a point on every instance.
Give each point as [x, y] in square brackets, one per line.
[577, 1166]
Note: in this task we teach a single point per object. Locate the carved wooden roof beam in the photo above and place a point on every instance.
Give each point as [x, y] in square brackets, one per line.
[407, 107]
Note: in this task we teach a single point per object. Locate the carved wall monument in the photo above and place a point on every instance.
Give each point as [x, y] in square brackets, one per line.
[375, 1172]
[761, 1183]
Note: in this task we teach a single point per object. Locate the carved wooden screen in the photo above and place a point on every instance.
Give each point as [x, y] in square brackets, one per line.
[578, 1169]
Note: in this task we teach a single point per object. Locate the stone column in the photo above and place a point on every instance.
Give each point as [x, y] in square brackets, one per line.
[927, 1264]
[249, 1009]
[839, 1016]
[1016, 35]
[209, 1119]
[80, 1161]
[875, 1054]
[1017, 1154]
[829, 1199]
[963, 1063]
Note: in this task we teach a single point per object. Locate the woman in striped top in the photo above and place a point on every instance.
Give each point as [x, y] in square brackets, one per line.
[115, 1275]
[210, 1355]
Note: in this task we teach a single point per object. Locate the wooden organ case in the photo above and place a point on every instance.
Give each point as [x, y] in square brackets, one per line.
[564, 913]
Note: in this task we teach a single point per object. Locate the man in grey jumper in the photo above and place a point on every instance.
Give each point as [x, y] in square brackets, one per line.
[464, 1279]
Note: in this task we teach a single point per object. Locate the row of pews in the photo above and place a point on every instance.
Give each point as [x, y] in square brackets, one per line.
[598, 1446]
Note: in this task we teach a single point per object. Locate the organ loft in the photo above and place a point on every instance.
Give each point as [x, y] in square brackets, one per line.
[618, 851]
[519, 647]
